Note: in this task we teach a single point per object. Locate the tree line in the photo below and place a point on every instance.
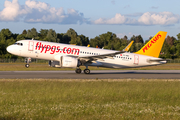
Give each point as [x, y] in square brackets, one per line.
[109, 40]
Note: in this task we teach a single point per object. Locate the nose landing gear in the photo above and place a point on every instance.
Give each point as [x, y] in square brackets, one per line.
[27, 65]
[27, 60]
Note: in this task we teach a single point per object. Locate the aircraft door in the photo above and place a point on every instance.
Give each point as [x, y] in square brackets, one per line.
[31, 46]
[136, 59]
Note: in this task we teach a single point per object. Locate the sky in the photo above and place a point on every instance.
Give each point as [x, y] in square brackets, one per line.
[93, 17]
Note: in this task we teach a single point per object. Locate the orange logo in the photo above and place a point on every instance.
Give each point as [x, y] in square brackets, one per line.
[150, 43]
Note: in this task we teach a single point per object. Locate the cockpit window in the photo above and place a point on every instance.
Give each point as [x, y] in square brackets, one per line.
[20, 44]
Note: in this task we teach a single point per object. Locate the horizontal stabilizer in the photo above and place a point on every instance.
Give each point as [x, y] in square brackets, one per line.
[156, 60]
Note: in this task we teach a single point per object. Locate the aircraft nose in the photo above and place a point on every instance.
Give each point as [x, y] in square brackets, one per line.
[9, 49]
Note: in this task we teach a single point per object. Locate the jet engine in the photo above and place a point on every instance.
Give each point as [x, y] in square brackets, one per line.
[65, 61]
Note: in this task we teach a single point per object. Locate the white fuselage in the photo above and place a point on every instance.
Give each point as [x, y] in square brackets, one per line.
[51, 51]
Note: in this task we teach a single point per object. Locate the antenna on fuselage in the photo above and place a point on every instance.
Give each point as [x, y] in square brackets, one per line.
[32, 38]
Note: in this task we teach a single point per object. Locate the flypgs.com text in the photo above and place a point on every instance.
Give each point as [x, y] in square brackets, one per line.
[56, 49]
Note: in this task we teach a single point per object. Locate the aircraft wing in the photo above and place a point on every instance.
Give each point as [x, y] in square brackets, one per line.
[99, 57]
[103, 56]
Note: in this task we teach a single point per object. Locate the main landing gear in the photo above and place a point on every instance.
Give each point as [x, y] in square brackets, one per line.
[78, 70]
[86, 71]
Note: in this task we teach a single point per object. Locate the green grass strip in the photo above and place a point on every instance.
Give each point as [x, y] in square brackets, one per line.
[89, 99]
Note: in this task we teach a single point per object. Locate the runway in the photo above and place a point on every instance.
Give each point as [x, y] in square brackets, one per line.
[95, 74]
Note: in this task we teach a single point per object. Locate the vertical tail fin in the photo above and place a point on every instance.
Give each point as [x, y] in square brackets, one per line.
[153, 47]
[128, 46]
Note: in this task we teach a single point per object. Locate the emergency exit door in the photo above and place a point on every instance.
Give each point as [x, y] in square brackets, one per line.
[136, 59]
[31, 46]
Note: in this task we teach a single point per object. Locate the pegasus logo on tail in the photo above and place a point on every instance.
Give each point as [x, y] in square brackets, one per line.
[154, 40]
[153, 47]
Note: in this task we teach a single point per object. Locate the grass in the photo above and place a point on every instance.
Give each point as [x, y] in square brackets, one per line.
[45, 67]
[89, 99]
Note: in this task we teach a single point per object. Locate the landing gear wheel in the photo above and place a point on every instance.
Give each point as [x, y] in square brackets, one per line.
[26, 65]
[78, 71]
[86, 71]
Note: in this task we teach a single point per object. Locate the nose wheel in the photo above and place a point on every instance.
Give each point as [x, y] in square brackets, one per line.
[26, 65]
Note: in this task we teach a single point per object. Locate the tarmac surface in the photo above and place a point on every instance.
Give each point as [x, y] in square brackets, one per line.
[100, 74]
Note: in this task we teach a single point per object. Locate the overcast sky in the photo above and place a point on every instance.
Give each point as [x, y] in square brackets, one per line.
[93, 17]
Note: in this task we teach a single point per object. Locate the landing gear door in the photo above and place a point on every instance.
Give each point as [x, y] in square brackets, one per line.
[136, 59]
[31, 46]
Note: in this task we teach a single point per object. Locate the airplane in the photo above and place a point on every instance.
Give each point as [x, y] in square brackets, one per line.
[73, 56]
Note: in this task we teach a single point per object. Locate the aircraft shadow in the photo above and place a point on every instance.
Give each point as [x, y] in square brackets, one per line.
[131, 73]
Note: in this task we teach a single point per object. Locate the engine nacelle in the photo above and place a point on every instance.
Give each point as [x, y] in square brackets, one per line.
[69, 62]
[65, 61]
